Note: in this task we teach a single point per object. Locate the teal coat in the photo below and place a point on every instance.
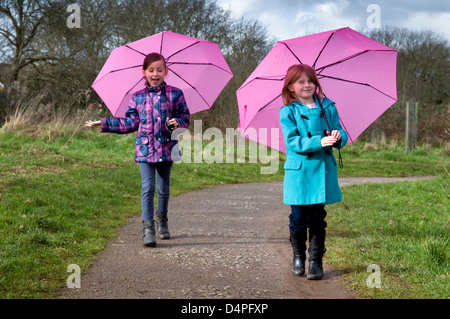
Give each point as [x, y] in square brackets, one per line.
[310, 170]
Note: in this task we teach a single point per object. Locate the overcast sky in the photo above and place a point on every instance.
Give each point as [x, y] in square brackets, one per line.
[287, 19]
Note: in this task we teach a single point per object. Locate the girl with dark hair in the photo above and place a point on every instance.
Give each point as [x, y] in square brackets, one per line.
[154, 112]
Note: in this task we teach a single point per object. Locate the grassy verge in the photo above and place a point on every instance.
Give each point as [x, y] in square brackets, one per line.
[59, 205]
[365, 159]
[403, 229]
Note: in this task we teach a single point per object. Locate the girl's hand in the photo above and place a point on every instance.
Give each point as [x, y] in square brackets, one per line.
[173, 122]
[92, 123]
[328, 141]
[336, 134]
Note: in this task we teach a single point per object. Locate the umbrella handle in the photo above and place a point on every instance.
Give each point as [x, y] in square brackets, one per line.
[341, 163]
[323, 113]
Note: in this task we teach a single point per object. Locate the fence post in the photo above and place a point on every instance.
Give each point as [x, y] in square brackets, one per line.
[412, 109]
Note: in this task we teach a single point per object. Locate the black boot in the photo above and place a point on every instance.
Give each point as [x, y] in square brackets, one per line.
[163, 228]
[149, 239]
[298, 242]
[316, 251]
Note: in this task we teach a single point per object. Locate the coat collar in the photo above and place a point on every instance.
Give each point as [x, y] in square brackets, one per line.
[325, 103]
[156, 89]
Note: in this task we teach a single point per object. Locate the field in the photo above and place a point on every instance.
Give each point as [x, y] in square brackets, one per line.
[61, 202]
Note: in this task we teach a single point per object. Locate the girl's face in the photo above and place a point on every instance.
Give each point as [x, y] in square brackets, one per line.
[303, 89]
[155, 73]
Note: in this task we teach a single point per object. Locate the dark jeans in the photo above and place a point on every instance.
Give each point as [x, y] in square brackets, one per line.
[307, 216]
[148, 172]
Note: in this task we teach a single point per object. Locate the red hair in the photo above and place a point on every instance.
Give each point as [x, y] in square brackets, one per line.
[293, 74]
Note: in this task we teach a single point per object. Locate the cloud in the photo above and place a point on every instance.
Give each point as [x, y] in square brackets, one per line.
[239, 7]
[325, 16]
[430, 21]
[293, 18]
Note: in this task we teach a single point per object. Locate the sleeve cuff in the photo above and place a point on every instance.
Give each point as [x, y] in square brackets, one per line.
[103, 126]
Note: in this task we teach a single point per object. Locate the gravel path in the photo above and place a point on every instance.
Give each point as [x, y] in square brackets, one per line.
[229, 241]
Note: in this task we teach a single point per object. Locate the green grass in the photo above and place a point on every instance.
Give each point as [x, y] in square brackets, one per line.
[401, 227]
[60, 205]
[365, 159]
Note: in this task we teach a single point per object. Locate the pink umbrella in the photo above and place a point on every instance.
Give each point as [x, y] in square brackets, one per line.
[195, 66]
[356, 72]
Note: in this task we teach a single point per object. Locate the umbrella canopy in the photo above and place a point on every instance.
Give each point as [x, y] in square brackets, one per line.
[356, 72]
[196, 66]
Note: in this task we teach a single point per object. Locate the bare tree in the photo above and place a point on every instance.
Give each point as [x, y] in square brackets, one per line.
[422, 75]
[20, 21]
[423, 61]
[73, 57]
[248, 45]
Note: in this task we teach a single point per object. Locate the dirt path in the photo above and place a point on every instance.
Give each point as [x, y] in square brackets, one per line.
[229, 241]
